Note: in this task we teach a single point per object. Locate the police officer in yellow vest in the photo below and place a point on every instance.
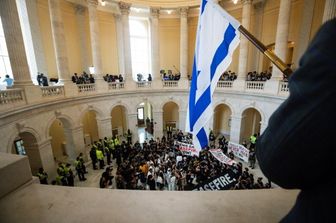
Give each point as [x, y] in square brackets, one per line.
[253, 141]
[100, 158]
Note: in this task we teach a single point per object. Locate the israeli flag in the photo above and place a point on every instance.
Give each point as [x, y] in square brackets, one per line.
[217, 38]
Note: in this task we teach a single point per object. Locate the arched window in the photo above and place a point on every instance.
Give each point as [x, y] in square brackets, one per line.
[5, 66]
[140, 47]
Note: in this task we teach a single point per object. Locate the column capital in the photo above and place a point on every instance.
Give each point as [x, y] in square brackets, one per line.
[79, 9]
[259, 5]
[246, 2]
[93, 3]
[125, 8]
[184, 11]
[154, 12]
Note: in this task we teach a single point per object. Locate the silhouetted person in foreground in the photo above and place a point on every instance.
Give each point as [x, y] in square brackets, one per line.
[297, 149]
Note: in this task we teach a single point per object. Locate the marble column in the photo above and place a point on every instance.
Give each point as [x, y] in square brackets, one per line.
[184, 43]
[305, 28]
[281, 40]
[133, 126]
[104, 127]
[32, 38]
[15, 45]
[155, 12]
[94, 36]
[47, 158]
[329, 10]
[74, 141]
[57, 29]
[235, 128]
[84, 51]
[125, 10]
[243, 50]
[258, 23]
[158, 124]
[120, 44]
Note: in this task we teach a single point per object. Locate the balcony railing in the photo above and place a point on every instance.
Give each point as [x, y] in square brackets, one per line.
[283, 88]
[144, 84]
[116, 85]
[86, 88]
[255, 85]
[12, 96]
[224, 84]
[168, 84]
[52, 91]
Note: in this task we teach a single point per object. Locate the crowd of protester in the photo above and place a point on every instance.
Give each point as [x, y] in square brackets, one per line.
[159, 165]
[83, 78]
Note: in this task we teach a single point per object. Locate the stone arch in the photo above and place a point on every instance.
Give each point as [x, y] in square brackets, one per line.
[262, 114]
[250, 123]
[119, 103]
[16, 134]
[135, 108]
[67, 121]
[28, 139]
[222, 113]
[163, 103]
[231, 107]
[120, 126]
[170, 119]
[99, 112]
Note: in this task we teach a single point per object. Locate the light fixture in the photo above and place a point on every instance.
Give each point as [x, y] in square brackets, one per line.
[103, 3]
[169, 11]
[235, 1]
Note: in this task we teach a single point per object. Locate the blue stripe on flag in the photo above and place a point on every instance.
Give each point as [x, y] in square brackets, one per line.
[223, 49]
[202, 138]
[204, 2]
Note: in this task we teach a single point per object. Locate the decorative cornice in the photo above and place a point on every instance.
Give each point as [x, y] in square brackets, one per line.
[93, 3]
[259, 5]
[247, 2]
[155, 12]
[79, 9]
[184, 11]
[125, 8]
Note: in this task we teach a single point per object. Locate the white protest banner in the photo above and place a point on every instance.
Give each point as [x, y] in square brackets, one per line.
[187, 149]
[239, 151]
[221, 157]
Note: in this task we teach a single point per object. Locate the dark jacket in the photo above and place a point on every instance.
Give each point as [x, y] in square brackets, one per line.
[297, 150]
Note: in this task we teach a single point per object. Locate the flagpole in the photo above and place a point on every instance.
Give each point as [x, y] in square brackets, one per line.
[267, 52]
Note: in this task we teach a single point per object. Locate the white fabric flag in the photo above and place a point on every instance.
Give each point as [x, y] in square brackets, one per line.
[217, 38]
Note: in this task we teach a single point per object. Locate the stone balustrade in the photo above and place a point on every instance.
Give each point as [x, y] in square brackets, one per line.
[12, 98]
[53, 91]
[224, 84]
[283, 87]
[255, 86]
[86, 88]
[169, 84]
[144, 84]
[116, 85]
